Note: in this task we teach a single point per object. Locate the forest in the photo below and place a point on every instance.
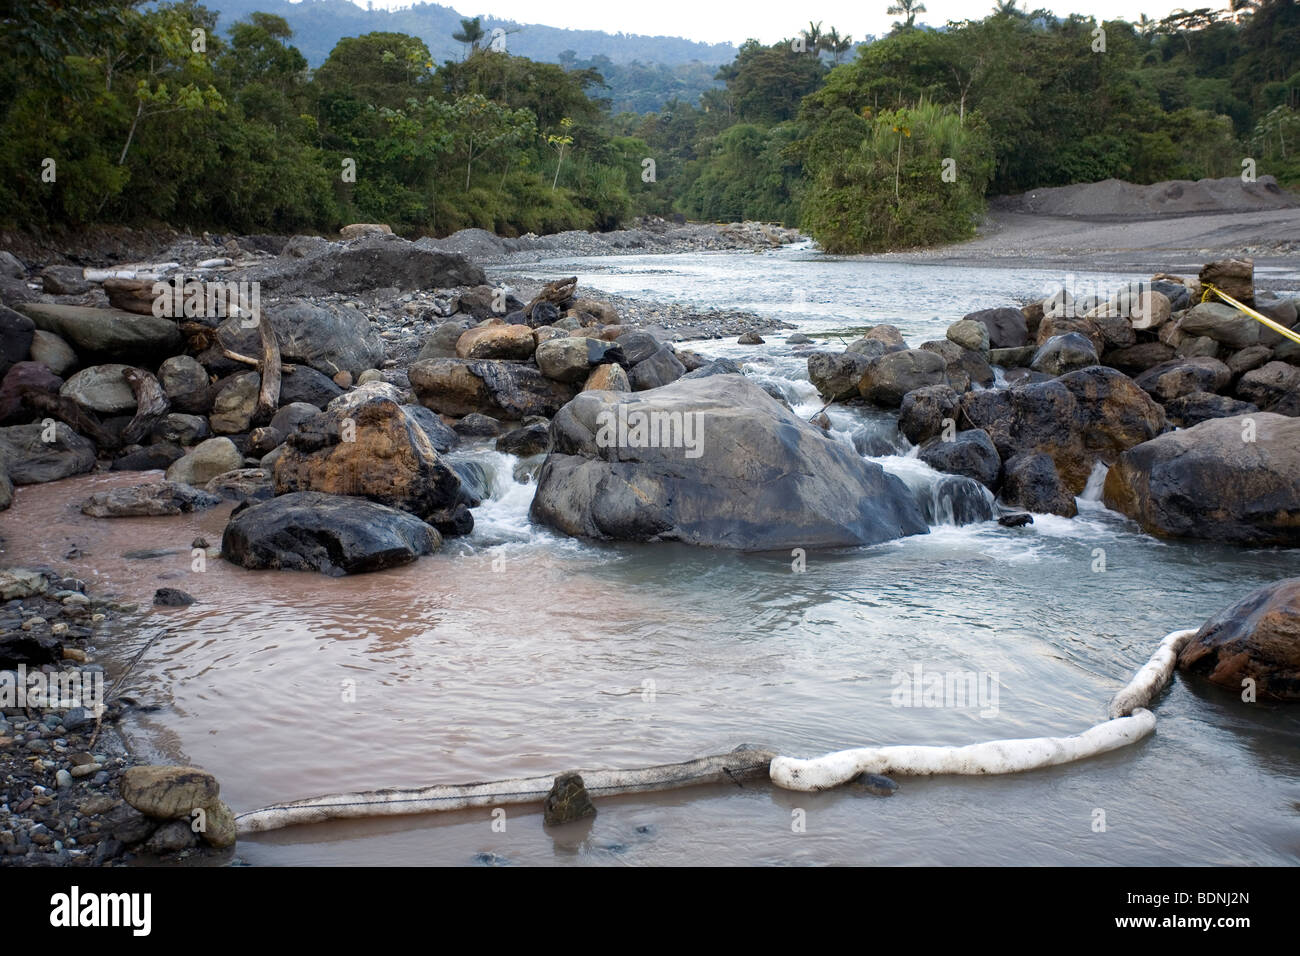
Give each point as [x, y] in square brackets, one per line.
[135, 114]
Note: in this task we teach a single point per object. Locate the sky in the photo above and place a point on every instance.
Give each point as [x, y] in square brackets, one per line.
[735, 21]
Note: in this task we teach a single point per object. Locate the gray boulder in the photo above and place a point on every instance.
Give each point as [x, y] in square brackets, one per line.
[30, 460]
[152, 499]
[714, 462]
[102, 389]
[1064, 353]
[107, 334]
[892, 376]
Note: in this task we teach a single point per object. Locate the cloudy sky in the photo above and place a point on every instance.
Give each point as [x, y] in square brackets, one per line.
[737, 20]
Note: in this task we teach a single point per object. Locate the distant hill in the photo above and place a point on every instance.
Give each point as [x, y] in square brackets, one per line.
[319, 24]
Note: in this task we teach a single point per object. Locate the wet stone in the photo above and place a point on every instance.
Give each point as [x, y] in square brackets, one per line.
[568, 801]
[875, 784]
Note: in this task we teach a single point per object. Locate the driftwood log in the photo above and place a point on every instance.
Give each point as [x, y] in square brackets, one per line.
[151, 404]
[268, 396]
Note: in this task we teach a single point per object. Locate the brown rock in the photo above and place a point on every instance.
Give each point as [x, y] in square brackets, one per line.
[169, 793]
[131, 295]
[568, 801]
[496, 342]
[1255, 640]
[343, 379]
[1236, 277]
[608, 377]
[372, 449]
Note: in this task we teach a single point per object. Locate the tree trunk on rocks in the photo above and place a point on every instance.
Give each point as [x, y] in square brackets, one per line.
[268, 396]
[151, 405]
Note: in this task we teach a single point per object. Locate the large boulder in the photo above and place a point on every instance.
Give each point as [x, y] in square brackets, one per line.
[333, 534]
[29, 459]
[1227, 479]
[1253, 644]
[506, 390]
[836, 375]
[1183, 376]
[890, 377]
[712, 461]
[372, 449]
[1006, 327]
[1136, 359]
[365, 264]
[107, 334]
[331, 338]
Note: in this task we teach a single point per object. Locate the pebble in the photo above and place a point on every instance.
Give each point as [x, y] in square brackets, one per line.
[876, 784]
[76, 600]
[63, 779]
[85, 770]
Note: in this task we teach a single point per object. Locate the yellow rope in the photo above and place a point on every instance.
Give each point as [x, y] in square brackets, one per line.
[1279, 329]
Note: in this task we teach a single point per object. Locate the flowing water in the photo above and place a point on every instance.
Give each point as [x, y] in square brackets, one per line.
[516, 652]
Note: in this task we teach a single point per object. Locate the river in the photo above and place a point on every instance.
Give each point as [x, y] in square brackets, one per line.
[516, 652]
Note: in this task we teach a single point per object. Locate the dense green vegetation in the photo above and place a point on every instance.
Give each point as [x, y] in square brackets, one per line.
[123, 113]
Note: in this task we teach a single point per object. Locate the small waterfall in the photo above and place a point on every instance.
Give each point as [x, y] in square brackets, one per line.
[952, 500]
[1096, 480]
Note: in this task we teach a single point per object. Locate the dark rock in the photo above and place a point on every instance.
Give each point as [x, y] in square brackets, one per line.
[1007, 328]
[21, 378]
[64, 280]
[185, 383]
[750, 338]
[892, 376]
[637, 346]
[306, 386]
[1226, 479]
[1064, 353]
[442, 435]
[1136, 359]
[568, 801]
[1030, 481]
[1188, 410]
[836, 375]
[365, 264]
[171, 597]
[333, 534]
[970, 453]
[1182, 376]
[29, 459]
[1016, 519]
[16, 332]
[1270, 384]
[874, 783]
[525, 441]
[107, 334]
[329, 338]
[925, 410]
[181, 429]
[475, 425]
[657, 371]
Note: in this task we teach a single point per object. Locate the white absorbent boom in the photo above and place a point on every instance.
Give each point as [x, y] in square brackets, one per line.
[1130, 721]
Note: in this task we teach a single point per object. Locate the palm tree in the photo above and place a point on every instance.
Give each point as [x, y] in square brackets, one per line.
[813, 36]
[837, 45]
[1005, 8]
[906, 8]
[471, 34]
